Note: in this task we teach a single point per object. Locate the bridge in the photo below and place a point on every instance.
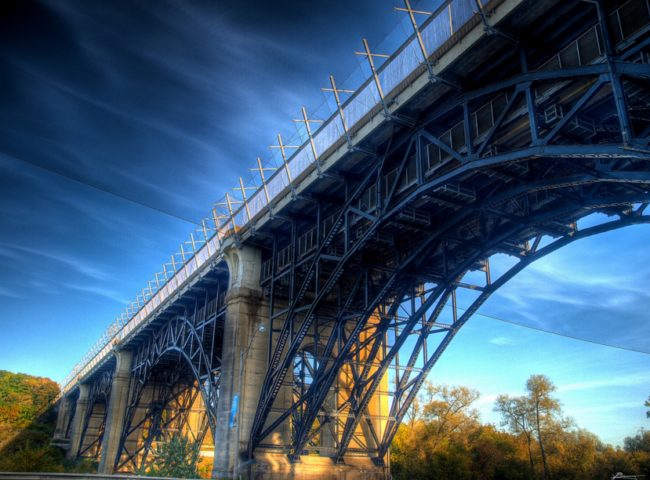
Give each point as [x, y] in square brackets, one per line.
[294, 327]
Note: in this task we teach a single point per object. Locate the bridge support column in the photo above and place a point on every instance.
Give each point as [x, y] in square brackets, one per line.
[243, 360]
[62, 418]
[62, 421]
[77, 421]
[116, 410]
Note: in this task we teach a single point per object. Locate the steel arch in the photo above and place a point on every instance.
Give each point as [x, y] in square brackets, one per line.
[187, 350]
[579, 165]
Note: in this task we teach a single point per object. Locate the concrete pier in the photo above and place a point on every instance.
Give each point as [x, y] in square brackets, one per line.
[116, 411]
[244, 357]
[77, 421]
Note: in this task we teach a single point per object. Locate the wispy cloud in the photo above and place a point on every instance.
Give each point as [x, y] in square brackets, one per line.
[9, 293]
[503, 341]
[101, 291]
[629, 380]
[606, 408]
[70, 261]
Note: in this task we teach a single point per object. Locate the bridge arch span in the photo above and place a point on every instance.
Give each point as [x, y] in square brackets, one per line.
[492, 157]
[175, 377]
[533, 197]
[418, 366]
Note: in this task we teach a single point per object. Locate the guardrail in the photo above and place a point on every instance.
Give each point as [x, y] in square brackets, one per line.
[71, 476]
[235, 213]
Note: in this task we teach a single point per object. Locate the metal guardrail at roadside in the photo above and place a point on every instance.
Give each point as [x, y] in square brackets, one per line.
[72, 476]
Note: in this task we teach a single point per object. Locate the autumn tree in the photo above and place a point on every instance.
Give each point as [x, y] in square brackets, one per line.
[447, 410]
[428, 445]
[442, 439]
[535, 414]
[516, 415]
[23, 398]
[27, 423]
[545, 409]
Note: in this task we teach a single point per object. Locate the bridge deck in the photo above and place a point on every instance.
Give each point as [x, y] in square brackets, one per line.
[446, 35]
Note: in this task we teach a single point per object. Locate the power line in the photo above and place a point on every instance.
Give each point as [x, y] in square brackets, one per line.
[552, 332]
[101, 189]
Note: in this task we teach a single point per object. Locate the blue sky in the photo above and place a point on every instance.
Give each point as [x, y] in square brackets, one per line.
[592, 289]
[167, 106]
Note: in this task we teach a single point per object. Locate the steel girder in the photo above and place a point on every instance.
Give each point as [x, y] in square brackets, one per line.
[178, 360]
[461, 194]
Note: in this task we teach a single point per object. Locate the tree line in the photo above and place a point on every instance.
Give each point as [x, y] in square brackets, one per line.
[443, 438]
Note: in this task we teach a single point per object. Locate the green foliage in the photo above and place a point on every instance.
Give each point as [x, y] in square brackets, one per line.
[638, 443]
[32, 457]
[178, 458]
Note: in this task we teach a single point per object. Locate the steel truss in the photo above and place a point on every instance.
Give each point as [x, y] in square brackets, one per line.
[361, 282]
[98, 398]
[176, 362]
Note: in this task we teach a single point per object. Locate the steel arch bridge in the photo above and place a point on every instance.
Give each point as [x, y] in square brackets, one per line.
[502, 149]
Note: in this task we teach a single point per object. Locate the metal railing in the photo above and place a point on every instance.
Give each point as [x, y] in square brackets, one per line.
[72, 476]
[235, 213]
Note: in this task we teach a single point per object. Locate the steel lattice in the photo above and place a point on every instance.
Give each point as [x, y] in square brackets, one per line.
[418, 215]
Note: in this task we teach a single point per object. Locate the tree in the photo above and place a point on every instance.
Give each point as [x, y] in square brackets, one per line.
[496, 455]
[544, 408]
[638, 443]
[535, 414]
[23, 399]
[448, 409]
[443, 440]
[647, 404]
[27, 422]
[179, 458]
[517, 417]
[430, 444]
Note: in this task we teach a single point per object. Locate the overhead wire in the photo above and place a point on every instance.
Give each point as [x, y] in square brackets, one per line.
[556, 333]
